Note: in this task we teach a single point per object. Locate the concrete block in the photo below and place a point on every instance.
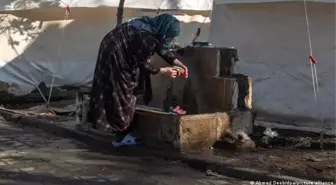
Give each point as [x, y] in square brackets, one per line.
[199, 95]
[202, 62]
[207, 61]
[215, 61]
[209, 95]
[184, 133]
[228, 59]
[190, 132]
[241, 121]
[244, 96]
[218, 93]
[248, 98]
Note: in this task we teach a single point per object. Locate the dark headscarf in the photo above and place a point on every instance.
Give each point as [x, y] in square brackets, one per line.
[163, 27]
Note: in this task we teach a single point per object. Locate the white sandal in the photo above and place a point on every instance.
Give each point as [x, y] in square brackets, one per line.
[126, 141]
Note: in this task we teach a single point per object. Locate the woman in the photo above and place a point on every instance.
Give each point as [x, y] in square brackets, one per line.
[122, 61]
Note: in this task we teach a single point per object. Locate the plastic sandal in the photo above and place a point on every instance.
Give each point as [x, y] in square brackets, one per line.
[178, 110]
[128, 140]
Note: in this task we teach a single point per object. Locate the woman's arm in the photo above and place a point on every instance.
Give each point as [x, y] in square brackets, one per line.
[168, 56]
[169, 71]
[171, 59]
[147, 66]
[150, 68]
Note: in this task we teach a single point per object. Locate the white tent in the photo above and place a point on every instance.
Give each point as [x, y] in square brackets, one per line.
[37, 41]
[271, 36]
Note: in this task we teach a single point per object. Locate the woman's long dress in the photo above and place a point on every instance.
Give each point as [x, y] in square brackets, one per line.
[122, 52]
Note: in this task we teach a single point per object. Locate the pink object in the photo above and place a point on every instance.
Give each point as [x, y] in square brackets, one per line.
[178, 110]
[313, 60]
[198, 33]
[68, 8]
[181, 72]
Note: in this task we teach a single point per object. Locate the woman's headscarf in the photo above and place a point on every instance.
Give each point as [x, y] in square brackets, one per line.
[161, 27]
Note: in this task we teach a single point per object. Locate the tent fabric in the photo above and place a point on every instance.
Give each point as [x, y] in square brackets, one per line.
[267, 1]
[39, 44]
[273, 47]
[11, 5]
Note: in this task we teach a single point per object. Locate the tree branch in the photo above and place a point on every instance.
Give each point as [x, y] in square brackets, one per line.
[120, 12]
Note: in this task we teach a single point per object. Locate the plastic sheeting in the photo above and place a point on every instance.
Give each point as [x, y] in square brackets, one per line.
[273, 48]
[144, 4]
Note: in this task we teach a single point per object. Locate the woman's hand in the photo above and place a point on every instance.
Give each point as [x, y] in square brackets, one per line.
[178, 63]
[169, 71]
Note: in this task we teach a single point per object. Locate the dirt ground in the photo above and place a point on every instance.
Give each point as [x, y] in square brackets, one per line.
[298, 163]
[312, 163]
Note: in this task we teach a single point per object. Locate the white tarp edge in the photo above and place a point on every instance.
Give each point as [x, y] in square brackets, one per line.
[11, 5]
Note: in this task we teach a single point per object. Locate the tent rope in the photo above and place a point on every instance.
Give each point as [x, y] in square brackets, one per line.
[312, 60]
[313, 63]
[199, 29]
